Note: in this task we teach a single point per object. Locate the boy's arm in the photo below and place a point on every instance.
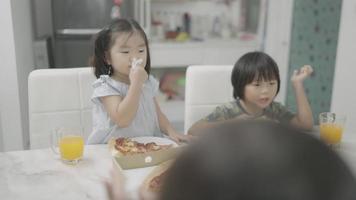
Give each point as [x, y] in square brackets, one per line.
[166, 127]
[200, 126]
[204, 124]
[304, 116]
[222, 114]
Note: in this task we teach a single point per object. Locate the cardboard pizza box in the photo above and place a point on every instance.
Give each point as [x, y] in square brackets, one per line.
[147, 159]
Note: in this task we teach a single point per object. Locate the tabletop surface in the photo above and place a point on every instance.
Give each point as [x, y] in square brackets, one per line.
[39, 174]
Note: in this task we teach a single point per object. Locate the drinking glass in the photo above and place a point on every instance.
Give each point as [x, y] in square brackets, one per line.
[331, 128]
[69, 143]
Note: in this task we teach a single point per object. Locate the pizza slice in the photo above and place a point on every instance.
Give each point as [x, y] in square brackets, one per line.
[127, 146]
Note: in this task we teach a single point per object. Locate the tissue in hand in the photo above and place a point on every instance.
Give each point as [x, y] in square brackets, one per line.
[135, 62]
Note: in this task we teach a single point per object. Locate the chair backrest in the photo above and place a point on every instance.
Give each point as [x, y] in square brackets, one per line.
[59, 98]
[207, 86]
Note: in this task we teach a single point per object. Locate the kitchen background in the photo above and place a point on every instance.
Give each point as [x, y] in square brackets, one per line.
[68, 26]
[200, 31]
[37, 35]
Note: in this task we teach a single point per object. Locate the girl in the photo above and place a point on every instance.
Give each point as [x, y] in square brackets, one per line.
[256, 82]
[124, 93]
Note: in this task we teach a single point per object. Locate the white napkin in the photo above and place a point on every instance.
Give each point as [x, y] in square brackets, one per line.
[135, 62]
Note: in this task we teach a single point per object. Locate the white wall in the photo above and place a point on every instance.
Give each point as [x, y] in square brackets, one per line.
[10, 104]
[279, 24]
[22, 24]
[16, 55]
[1, 137]
[344, 90]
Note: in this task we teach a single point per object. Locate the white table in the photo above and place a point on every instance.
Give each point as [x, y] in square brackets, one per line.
[39, 174]
[347, 148]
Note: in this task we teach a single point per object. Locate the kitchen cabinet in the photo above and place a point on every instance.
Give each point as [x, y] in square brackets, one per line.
[166, 55]
[187, 32]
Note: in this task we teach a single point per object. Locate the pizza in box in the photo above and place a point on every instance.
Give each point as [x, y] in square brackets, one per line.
[123, 146]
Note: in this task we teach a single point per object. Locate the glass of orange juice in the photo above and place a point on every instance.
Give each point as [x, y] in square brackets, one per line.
[331, 128]
[69, 143]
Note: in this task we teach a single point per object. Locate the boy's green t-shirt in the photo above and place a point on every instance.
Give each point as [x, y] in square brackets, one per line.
[275, 111]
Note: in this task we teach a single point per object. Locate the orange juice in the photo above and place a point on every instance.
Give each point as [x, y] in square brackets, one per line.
[71, 147]
[331, 133]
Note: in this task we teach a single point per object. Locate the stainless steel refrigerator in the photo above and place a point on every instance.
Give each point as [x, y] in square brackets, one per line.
[75, 22]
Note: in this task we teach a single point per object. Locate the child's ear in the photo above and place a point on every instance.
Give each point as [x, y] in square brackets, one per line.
[107, 58]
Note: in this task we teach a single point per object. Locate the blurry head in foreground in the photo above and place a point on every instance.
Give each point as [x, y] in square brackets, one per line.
[258, 161]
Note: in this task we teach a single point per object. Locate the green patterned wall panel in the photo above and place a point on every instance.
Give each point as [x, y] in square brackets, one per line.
[314, 41]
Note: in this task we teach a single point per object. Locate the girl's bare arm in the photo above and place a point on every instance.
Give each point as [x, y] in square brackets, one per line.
[167, 128]
[123, 110]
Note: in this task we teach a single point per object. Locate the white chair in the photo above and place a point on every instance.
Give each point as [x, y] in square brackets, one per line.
[59, 98]
[207, 86]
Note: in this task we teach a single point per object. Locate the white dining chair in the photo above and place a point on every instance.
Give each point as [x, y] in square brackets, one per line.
[207, 86]
[59, 98]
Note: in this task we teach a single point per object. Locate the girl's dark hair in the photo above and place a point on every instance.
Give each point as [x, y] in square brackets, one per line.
[255, 160]
[106, 38]
[248, 67]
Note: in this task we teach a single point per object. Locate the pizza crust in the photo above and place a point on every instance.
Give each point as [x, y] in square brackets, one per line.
[112, 149]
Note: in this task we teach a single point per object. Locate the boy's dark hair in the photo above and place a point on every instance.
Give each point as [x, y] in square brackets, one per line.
[255, 160]
[248, 67]
[106, 38]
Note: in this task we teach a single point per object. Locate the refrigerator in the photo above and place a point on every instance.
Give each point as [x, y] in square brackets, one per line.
[75, 23]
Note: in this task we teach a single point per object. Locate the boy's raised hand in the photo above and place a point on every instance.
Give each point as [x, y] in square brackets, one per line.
[301, 74]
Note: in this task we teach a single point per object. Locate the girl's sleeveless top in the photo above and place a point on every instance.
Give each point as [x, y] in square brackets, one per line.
[145, 122]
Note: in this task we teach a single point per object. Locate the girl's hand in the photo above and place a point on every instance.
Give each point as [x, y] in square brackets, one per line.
[138, 73]
[300, 75]
[179, 138]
